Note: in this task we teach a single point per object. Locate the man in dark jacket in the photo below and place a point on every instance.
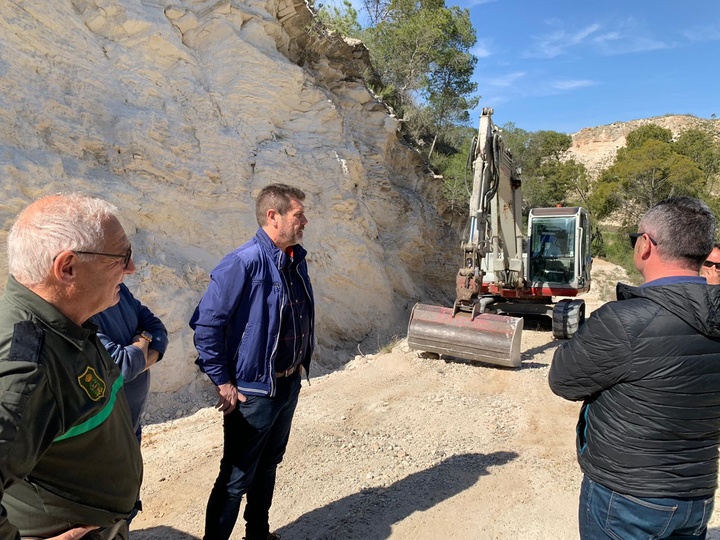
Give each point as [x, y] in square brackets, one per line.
[254, 335]
[647, 368]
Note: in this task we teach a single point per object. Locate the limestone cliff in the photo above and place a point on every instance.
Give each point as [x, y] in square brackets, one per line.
[179, 111]
[596, 147]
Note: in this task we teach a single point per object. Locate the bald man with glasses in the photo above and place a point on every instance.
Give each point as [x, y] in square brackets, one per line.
[710, 269]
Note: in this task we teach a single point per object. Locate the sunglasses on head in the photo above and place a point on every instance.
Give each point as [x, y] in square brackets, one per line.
[710, 264]
[635, 235]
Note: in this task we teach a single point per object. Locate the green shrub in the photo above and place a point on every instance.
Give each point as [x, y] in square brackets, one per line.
[618, 251]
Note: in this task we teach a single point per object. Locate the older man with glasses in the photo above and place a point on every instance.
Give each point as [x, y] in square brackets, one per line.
[710, 269]
[647, 369]
[69, 461]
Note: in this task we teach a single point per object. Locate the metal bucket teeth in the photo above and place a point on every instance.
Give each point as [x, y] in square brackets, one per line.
[494, 339]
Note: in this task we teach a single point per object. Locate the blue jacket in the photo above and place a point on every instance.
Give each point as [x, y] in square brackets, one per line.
[237, 322]
[118, 326]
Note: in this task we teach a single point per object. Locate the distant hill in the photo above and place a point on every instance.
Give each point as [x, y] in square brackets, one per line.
[596, 147]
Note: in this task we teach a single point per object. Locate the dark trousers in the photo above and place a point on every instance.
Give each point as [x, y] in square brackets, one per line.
[256, 434]
[606, 514]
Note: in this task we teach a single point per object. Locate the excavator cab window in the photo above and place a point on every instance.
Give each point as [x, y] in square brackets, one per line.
[552, 250]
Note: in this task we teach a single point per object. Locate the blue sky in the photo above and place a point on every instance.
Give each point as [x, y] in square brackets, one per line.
[565, 65]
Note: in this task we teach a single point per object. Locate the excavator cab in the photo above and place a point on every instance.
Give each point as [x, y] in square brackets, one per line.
[558, 251]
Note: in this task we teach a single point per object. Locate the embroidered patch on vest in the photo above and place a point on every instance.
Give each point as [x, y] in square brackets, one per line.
[93, 385]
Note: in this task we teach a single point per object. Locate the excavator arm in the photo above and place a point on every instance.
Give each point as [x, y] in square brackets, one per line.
[494, 234]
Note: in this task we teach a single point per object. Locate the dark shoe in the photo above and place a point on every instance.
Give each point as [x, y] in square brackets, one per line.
[270, 536]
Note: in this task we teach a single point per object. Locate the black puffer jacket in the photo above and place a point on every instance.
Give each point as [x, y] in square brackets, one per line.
[648, 370]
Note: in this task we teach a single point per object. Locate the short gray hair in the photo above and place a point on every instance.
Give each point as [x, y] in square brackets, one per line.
[50, 226]
[683, 227]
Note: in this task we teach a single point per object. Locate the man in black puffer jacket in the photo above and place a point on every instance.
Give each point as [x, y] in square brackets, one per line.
[647, 369]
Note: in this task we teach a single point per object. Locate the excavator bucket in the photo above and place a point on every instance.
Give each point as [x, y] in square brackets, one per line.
[494, 339]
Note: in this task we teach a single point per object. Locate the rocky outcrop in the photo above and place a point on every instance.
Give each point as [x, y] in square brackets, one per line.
[596, 147]
[179, 111]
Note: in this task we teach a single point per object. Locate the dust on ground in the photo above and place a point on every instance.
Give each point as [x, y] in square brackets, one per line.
[393, 446]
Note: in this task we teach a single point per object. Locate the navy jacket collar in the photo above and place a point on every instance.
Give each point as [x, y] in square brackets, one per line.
[281, 258]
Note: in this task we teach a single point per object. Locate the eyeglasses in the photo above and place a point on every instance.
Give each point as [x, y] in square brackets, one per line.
[635, 235]
[710, 264]
[126, 257]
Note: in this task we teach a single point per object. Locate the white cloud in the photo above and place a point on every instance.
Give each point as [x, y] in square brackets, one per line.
[580, 35]
[481, 49]
[608, 37]
[472, 3]
[559, 41]
[571, 84]
[628, 38]
[620, 37]
[548, 46]
[505, 80]
[703, 33]
[520, 85]
[491, 101]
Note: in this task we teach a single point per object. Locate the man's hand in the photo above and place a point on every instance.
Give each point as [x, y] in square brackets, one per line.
[228, 397]
[141, 344]
[72, 534]
[151, 355]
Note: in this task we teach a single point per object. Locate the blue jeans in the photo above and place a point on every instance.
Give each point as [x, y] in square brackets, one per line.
[605, 513]
[256, 434]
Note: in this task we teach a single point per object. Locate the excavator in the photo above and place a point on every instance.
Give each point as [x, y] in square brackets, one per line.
[506, 275]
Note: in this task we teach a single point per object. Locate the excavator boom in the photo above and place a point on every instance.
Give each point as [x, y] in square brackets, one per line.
[494, 234]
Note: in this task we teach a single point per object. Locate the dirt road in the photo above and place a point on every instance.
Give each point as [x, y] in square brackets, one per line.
[397, 447]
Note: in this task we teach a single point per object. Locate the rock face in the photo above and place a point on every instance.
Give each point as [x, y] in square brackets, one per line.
[596, 147]
[179, 112]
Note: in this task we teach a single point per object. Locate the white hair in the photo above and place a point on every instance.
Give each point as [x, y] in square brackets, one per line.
[50, 226]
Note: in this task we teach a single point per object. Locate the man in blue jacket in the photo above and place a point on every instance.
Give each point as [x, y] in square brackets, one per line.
[254, 333]
[136, 339]
[647, 368]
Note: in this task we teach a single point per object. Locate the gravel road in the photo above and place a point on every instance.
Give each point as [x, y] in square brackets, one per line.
[393, 446]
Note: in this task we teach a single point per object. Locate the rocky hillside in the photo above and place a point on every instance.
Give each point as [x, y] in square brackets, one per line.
[179, 111]
[596, 147]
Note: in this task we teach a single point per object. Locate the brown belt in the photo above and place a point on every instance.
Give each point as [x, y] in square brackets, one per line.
[287, 372]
